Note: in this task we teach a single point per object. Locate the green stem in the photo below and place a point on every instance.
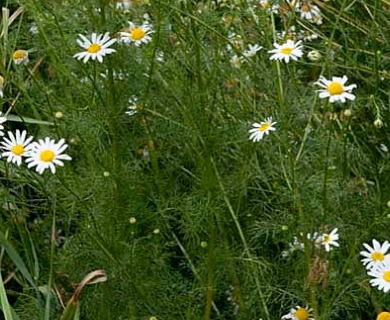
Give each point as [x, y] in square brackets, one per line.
[50, 283]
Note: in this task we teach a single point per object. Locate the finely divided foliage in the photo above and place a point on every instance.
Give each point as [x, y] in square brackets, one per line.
[195, 159]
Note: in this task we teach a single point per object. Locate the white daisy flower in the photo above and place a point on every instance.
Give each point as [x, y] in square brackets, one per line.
[293, 4]
[236, 41]
[335, 90]
[20, 57]
[259, 129]
[96, 48]
[123, 5]
[288, 50]
[134, 106]
[383, 147]
[299, 313]
[381, 275]
[17, 146]
[328, 240]
[252, 50]
[265, 4]
[46, 154]
[376, 255]
[236, 61]
[33, 28]
[310, 12]
[290, 34]
[306, 35]
[2, 120]
[135, 34]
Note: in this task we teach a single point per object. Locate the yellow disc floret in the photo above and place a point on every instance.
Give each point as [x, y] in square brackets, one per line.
[335, 88]
[386, 276]
[264, 127]
[137, 34]
[20, 54]
[384, 315]
[47, 156]
[94, 48]
[286, 50]
[305, 8]
[17, 149]
[302, 314]
[377, 256]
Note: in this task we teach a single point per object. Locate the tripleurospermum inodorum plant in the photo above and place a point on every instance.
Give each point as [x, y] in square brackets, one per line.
[127, 137]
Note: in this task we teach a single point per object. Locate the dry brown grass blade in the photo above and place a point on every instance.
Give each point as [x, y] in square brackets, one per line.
[91, 278]
[7, 20]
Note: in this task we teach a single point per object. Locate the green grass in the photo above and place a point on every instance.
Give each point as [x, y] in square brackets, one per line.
[214, 212]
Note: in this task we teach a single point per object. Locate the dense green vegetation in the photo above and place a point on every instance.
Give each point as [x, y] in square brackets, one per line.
[166, 191]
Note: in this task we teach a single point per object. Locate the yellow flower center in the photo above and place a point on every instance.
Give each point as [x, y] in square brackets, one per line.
[20, 54]
[47, 156]
[265, 5]
[286, 50]
[94, 48]
[302, 314]
[264, 127]
[386, 276]
[137, 34]
[17, 149]
[384, 315]
[335, 88]
[377, 256]
[326, 238]
[305, 8]
[1, 82]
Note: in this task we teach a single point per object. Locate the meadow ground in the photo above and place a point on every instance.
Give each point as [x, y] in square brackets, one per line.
[221, 159]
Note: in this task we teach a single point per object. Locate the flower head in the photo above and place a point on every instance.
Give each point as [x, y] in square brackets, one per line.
[335, 89]
[314, 55]
[328, 240]
[375, 255]
[310, 12]
[288, 50]
[46, 154]
[20, 56]
[252, 50]
[384, 315]
[136, 34]
[236, 61]
[381, 276]
[236, 42]
[134, 106]
[96, 48]
[299, 313]
[259, 129]
[265, 4]
[16, 146]
[123, 4]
